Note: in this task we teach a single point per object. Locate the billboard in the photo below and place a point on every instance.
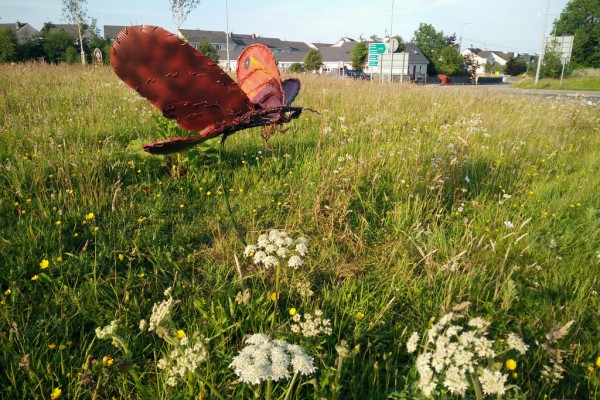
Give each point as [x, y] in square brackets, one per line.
[561, 44]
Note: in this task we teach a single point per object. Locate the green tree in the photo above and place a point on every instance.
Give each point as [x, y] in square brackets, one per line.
[449, 61]
[71, 55]
[472, 65]
[581, 18]
[8, 45]
[431, 43]
[55, 44]
[313, 60]
[180, 9]
[76, 13]
[296, 67]
[551, 63]
[359, 56]
[208, 50]
[515, 66]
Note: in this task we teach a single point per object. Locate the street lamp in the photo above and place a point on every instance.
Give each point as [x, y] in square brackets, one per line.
[227, 35]
[541, 57]
[461, 35]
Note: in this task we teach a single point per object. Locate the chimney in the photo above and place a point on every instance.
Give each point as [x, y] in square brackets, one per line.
[254, 36]
[230, 34]
[18, 25]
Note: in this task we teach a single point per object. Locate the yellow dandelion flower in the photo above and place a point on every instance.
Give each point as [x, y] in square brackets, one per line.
[55, 393]
[360, 315]
[141, 275]
[35, 277]
[208, 193]
[89, 216]
[590, 368]
[181, 206]
[52, 346]
[58, 259]
[7, 292]
[96, 229]
[23, 212]
[241, 190]
[292, 311]
[598, 362]
[180, 333]
[62, 347]
[121, 257]
[511, 364]
[274, 296]
[57, 223]
[75, 234]
[107, 361]
[44, 264]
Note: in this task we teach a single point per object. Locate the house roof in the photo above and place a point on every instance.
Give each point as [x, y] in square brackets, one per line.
[23, 30]
[71, 29]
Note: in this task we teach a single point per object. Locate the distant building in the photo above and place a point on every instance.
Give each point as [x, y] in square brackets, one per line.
[484, 57]
[23, 30]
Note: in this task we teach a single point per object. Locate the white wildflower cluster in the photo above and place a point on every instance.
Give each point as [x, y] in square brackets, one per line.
[265, 359]
[183, 361]
[312, 325]
[454, 353]
[516, 343]
[160, 319]
[243, 298]
[304, 290]
[275, 246]
[413, 341]
[108, 331]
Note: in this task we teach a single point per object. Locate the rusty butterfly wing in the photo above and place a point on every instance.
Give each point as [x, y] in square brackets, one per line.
[180, 81]
[259, 78]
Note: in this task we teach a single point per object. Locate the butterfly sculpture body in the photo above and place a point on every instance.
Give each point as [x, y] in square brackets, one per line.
[195, 92]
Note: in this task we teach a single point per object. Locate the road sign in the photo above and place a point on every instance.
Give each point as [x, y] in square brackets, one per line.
[377, 48]
[373, 60]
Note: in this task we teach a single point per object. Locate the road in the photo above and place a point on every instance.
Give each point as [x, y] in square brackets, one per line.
[593, 97]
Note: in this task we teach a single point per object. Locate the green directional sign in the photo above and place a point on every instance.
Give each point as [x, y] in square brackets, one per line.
[377, 48]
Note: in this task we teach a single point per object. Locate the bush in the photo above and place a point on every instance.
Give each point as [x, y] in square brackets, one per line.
[296, 67]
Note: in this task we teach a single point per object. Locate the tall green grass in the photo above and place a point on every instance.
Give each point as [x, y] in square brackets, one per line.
[414, 199]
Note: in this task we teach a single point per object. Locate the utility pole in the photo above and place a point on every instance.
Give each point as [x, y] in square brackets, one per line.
[391, 47]
[541, 56]
[461, 35]
[227, 33]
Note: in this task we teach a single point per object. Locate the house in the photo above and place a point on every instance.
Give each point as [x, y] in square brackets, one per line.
[484, 57]
[23, 30]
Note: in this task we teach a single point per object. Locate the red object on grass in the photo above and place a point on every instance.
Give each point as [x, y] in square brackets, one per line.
[194, 91]
[445, 79]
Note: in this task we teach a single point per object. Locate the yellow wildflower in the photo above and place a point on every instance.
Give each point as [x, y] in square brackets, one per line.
[58, 259]
[511, 364]
[121, 257]
[292, 311]
[57, 223]
[107, 361]
[44, 264]
[55, 393]
[274, 296]
[598, 362]
[360, 315]
[180, 333]
[141, 275]
[7, 292]
[35, 277]
[52, 346]
[89, 216]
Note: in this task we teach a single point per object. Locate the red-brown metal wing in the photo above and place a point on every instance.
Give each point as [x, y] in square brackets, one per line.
[177, 79]
[258, 76]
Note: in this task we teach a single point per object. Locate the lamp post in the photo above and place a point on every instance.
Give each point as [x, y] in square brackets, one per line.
[541, 57]
[227, 35]
[461, 35]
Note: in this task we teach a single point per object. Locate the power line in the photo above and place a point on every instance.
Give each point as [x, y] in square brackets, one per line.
[499, 46]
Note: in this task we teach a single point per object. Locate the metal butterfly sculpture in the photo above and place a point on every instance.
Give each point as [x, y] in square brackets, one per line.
[194, 91]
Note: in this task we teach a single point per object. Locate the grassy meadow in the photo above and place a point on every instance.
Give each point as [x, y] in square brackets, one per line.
[415, 202]
[568, 83]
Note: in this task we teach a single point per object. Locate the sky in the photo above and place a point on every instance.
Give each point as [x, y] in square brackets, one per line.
[504, 25]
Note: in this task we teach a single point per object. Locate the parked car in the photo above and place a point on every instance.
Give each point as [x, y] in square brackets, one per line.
[356, 74]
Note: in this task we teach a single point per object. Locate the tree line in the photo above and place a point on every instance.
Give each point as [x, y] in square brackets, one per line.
[53, 44]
